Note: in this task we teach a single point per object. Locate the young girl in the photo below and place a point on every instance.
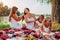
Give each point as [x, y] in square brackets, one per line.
[13, 18]
[46, 29]
[29, 19]
[38, 23]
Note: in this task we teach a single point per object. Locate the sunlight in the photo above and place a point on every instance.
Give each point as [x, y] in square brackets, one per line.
[33, 5]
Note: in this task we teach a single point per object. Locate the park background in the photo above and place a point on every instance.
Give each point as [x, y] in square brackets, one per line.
[49, 8]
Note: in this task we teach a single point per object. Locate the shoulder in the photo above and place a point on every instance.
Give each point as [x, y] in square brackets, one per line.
[25, 15]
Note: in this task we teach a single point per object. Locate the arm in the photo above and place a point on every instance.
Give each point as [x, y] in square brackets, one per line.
[49, 30]
[34, 17]
[16, 18]
[35, 25]
[41, 28]
[10, 17]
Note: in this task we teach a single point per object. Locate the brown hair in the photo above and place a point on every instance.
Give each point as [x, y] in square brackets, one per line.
[27, 9]
[13, 8]
[12, 12]
[40, 16]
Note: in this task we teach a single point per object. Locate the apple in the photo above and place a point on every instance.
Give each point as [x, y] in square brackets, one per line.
[36, 35]
[5, 29]
[1, 32]
[4, 36]
[58, 34]
[11, 31]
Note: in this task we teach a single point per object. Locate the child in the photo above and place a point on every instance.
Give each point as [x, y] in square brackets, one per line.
[38, 23]
[46, 29]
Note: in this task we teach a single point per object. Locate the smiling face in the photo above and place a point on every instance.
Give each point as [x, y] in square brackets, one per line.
[26, 10]
[41, 18]
[47, 22]
[14, 10]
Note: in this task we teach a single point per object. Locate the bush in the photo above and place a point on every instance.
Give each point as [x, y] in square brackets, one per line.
[4, 26]
[56, 27]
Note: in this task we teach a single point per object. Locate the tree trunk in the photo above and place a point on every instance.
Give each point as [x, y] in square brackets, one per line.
[56, 10]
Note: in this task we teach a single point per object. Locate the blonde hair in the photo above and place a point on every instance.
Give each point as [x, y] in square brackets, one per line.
[47, 19]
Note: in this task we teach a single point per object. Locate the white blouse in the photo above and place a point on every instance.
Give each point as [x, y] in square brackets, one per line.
[15, 24]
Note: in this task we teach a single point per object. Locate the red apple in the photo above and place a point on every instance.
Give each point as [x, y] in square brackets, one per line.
[27, 30]
[58, 34]
[4, 36]
[17, 30]
[36, 35]
[5, 29]
[17, 35]
[1, 32]
[11, 31]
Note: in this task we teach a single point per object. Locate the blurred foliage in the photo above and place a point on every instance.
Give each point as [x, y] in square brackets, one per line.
[1, 19]
[4, 10]
[4, 26]
[44, 1]
[56, 26]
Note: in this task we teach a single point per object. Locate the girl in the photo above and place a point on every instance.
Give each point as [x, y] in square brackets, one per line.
[29, 19]
[13, 18]
[46, 29]
[38, 23]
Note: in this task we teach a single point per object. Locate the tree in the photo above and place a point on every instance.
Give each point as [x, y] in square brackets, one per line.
[56, 10]
[46, 1]
[4, 10]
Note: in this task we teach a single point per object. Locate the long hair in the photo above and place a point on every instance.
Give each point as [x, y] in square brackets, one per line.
[46, 19]
[12, 12]
[27, 9]
[41, 16]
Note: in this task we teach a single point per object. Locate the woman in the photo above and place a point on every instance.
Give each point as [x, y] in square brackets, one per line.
[46, 29]
[14, 19]
[29, 19]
